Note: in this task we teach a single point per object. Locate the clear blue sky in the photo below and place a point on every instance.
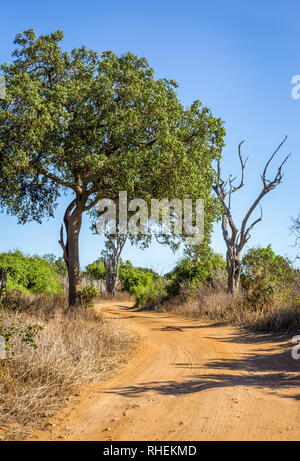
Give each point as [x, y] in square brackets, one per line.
[237, 57]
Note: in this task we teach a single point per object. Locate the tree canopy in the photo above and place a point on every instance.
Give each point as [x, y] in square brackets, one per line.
[93, 126]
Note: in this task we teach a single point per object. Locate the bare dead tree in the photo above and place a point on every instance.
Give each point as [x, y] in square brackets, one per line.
[236, 239]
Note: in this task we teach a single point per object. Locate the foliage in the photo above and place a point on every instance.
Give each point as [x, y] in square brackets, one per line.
[28, 333]
[87, 295]
[96, 270]
[152, 292]
[132, 277]
[99, 125]
[143, 283]
[266, 275]
[29, 273]
[194, 271]
[58, 264]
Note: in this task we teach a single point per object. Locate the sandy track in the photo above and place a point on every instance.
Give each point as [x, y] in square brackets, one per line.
[189, 381]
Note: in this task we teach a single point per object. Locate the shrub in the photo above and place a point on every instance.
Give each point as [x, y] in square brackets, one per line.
[29, 273]
[58, 264]
[266, 276]
[132, 277]
[96, 270]
[13, 328]
[190, 273]
[87, 295]
[153, 292]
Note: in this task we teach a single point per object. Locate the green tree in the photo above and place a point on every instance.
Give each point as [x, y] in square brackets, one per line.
[265, 275]
[90, 126]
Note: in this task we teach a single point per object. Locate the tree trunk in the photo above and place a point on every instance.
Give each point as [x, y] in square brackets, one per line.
[233, 274]
[111, 259]
[72, 221]
[111, 281]
[73, 258]
[112, 273]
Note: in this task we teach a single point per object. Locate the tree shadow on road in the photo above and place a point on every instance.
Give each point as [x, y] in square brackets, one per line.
[272, 371]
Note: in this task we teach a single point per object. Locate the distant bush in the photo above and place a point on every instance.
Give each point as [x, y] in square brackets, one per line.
[30, 274]
[132, 277]
[143, 283]
[96, 270]
[266, 276]
[268, 301]
[212, 269]
[150, 293]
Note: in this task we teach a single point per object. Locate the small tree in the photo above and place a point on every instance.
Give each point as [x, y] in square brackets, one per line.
[234, 238]
[266, 275]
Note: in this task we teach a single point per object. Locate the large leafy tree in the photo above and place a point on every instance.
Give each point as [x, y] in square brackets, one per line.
[90, 126]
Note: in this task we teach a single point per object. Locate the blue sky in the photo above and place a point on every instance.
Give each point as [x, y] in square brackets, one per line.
[237, 57]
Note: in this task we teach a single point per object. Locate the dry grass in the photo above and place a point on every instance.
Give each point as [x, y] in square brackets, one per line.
[220, 306]
[119, 296]
[73, 348]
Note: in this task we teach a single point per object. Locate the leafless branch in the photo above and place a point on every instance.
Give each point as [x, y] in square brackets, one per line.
[235, 241]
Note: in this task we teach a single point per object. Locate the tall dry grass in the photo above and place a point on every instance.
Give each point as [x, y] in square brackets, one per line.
[216, 305]
[74, 347]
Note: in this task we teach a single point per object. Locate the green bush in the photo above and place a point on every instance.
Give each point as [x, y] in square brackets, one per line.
[193, 272]
[150, 293]
[132, 277]
[58, 264]
[96, 270]
[30, 274]
[87, 295]
[143, 283]
[266, 276]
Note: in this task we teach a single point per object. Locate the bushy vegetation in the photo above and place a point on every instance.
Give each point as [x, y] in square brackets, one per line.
[87, 295]
[267, 276]
[143, 283]
[58, 264]
[96, 270]
[269, 298]
[30, 274]
[211, 269]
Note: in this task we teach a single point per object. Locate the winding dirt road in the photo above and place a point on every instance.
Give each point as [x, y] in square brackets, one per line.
[189, 381]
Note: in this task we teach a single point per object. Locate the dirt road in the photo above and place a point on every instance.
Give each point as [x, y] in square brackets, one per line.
[189, 381]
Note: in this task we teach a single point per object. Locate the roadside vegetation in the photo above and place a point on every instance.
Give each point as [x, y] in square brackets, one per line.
[30, 274]
[268, 299]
